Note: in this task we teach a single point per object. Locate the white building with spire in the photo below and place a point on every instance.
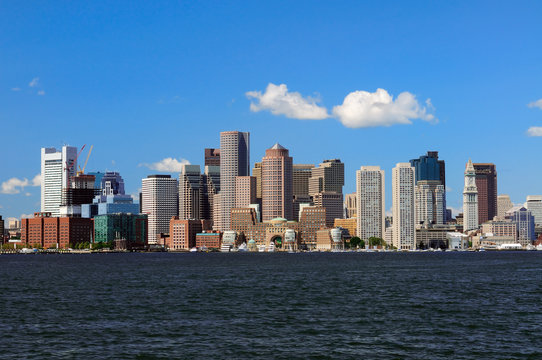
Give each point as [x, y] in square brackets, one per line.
[470, 199]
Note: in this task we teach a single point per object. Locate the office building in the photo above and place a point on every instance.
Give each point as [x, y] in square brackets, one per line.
[209, 240]
[211, 187]
[534, 205]
[486, 184]
[212, 157]
[182, 233]
[349, 224]
[190, 192]
[332, 202]
[525, 223]
[470, 199]
[328, 177]
[350, 205]
[430, 195]
[430, 168]
[301, 176]
[257, 173]
[48, 232]
[234, 161]
[403, 206]
[277, 184]
[56, 169]
[370, 201]
[131, 228]
[160, 202]
[245, 191]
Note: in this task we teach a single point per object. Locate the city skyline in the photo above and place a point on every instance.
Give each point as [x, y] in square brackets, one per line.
[86, 74]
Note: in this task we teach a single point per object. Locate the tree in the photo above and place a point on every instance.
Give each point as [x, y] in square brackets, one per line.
[355, 242]
[376, 241]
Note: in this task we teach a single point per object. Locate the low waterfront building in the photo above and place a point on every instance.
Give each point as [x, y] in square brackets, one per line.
[433, 236]
[210, 240]
[46, 231]
[349, 224]
[129, 227]
[329, 239]
[182, 233]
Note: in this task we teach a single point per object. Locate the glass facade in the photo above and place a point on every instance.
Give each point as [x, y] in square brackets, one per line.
[130, 227]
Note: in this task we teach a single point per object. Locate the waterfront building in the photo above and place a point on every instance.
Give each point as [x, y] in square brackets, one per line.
[351, 205]
[242, 219]
[245, 191]
[277, 184]
[312, 219]
[234, 161]
[212, 157]
[486, 184]
[434, 236]
[209, 240]
[182, 233]
[503, 205]
[190, 192]
[501, 228]
[430, 195]
[329, 239]
[534, 205]
[349, 224]
[403, 206]
[46, 231]
[131, 228]
[524, 220]
[370, 201]
[298, 203]
[56, 169]
[301, 176]
[332, 202]
[159, 202]
[2, 230]
[470, 200]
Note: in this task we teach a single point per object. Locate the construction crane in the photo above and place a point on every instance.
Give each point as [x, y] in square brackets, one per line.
[82, 171]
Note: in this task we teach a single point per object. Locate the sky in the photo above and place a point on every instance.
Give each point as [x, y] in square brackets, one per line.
[151, 84]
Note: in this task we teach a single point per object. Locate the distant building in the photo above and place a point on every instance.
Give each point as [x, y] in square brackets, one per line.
[312, 219]
[56, 169]
[212, 157]
[503, 205]
[430, 199]
[129, 227]
[430, 168]
[234, 161]
[301, 176]
[370, 185]
[486, 184]
[160, 202]
[534, 204]
[349, 224]
[332, 202]
[242, 219]
[245, 191]
[298, 203]
[111, 199]
[211, 187]
[524, 220]
[257, 173]
[329, 239]
[470, 200]
[434, 236]
[403, 206]
[46, 231]
[328, 177]
[210, 240]
[182, 233]
[350, 205]
[2, 230]
[191, 192]
[277, 183]
[502, 229]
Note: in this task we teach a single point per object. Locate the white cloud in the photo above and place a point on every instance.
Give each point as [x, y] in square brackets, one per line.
[16, 89]
[448, 189]
[364, 109]
[167, 165]
[537, 103]
[41, 92]
[279, 101]
[34, 82]
[535, 131]
[15, 185]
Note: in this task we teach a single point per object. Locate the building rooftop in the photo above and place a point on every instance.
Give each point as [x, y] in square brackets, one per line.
[278, 146]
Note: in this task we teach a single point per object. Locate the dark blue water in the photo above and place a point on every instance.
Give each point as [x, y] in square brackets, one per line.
[349, 305]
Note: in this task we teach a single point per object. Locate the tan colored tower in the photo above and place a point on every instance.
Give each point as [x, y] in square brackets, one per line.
[245, 191]
[277, 184]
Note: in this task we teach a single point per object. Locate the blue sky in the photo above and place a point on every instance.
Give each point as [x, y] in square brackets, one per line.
[146, 81]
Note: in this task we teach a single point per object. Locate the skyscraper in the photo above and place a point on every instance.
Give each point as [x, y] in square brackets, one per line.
[277, 184]
[328, 176]
[55, 176]
[234, 161]
[470, 199]
[430, 168]
[404, 232]
[332, 202]
[211, 187]
[486, 183]
[257, 173]
[160, 202]
[370, 202]
[245, 191]
[190, 192]
[212, 157]
[504, 204]
[534, 204]
[302, 174]
[430, 202]
[351, 204]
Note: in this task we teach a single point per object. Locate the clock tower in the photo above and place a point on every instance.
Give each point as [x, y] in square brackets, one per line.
[470, 199]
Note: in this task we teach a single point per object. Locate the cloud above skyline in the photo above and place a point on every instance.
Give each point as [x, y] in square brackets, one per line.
[537, 103]
[15, 185]
[535, 131]
[167, 165]
[34, 82]
[359, 109]
[279, 101]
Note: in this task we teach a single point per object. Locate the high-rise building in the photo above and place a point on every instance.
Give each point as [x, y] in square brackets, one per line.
[525, 223]
[332, 202]
[211, 187]
[112, 198]
[57, 167]
[429, 205]
[470, 199]
[328, 176]
[160, 197]
[350, 205]
[257, 173]
[534, 204]
[430, 168]
[190, 192]
[503, 205]
[2, 230]
[486, 183]
[217, 212]
[277, 184]
[302, 174]
[212, 157]
[234, 161]
[404, 232]
[312, 219]
[370, 201]
[245, 191]
[298, 203]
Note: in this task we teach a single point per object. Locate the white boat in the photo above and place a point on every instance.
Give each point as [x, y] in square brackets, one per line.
[271, 247]
[194, 249]
[27, 251]
[242, 247]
